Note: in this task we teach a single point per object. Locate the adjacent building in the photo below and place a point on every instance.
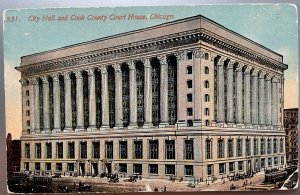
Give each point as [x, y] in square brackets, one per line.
[13, 154]
[291, 130]
[188, 98]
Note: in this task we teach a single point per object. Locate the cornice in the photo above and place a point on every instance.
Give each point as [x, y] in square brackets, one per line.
[146, 46]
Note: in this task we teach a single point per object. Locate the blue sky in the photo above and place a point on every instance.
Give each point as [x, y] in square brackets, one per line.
[272, 25]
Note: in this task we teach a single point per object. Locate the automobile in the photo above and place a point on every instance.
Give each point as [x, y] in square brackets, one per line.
[57, 175]
[191, 185]
[63, 189]
[132, 178]
[84, 187]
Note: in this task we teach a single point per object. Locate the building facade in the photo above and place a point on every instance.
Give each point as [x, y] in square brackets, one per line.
[188, 98]
[291, 130]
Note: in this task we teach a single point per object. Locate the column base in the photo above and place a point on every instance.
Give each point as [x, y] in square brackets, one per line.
[213, 123]
[240, 125]
[104, 127]
[263, 126]
[163, 124]
[47, 131]
[78, 129]
[56, 130]
[92, 128]
[147, 125]
[68, 129]
[270, 127]
[117, 127]
[132, 126]
[181, 123]
[248, 126]
[230, 125]
[256, 126]
[220, 124]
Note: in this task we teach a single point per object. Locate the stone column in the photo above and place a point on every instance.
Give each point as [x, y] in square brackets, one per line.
[220, 104]
[239, 95]
[56, 102]
[23, 92]
[79, 101]
[104, 98]
[92, 100]
[68, 103]
[268, 100]
[148, 94]
[274, 101]
[46, 112]
[254, 96]
[133, 96]
[247, 108]
[261, 114]
[164, 114]
[36, 104]
[118, 97]
[230, 117]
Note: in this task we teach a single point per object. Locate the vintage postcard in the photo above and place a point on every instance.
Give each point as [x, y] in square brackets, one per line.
[132, 99]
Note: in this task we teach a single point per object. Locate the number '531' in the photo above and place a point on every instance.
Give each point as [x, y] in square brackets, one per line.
[11, 19]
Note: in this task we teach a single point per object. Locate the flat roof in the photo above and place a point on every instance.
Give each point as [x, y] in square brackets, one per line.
[160, 30]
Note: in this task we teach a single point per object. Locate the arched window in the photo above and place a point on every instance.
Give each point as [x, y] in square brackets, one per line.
[206, 84]
[206, 98]
[206, 70]
[206, 111]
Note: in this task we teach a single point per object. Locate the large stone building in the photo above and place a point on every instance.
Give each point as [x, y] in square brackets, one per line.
[291, 130]
[13, 154]
[188, 98]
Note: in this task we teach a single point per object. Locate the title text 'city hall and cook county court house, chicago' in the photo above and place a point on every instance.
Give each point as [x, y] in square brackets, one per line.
[188, 98]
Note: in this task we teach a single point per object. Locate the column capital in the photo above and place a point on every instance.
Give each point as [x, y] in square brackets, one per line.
[163, 59]
[131, 65]
[197, 53]
[248, 69]
[180, 55]
[239, 67]
[78, 74]
[55, 77]
[45, 79]
[117, 67]
[269, 77]
[103, 69]
[276, 79]
[91, 71]
[33, 80]
[66, 75]
[262, 74]
[255, 72]
[221, 60]
[213, 55]
[23, 81]
[146, 62]
[230, 64]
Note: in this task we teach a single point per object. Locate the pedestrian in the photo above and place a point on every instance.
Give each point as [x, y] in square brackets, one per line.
[165, 188]
[74, 185]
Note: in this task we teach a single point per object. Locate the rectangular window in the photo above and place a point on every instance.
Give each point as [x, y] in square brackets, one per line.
[70, 167]
[123, 168]
[231, 166]
[208, 149]
[28, 123]
[189, 55]
[255, 147]
[27, 150]
[209, 170]
[170, 169]
[71, 150]
[170, 149]
[248, 147]
[48, 166]
[83, 149]
[189, 149]
[282, 160]
[189, 97]
[96, 149]
[262, 147]
[189, 84]
[37, 150]
[262, 163]
[27, 93]
[230, 148]
[239, 146]
[37, 166]
[269, 146]
[27, 112]
[221, 148]
[26, 166]
[221, 168]
[275, 146]
[153, 168]
[188, 170]
[49, 150]
[240, 165]
[189, 70]
[109, 150]
[137, 169]
[281, 146]
[189, 111]
[275, 161]
[58, 167]
[59, 149]
[138, 149]
[153, 149]
[269, 162]
[123, 149]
